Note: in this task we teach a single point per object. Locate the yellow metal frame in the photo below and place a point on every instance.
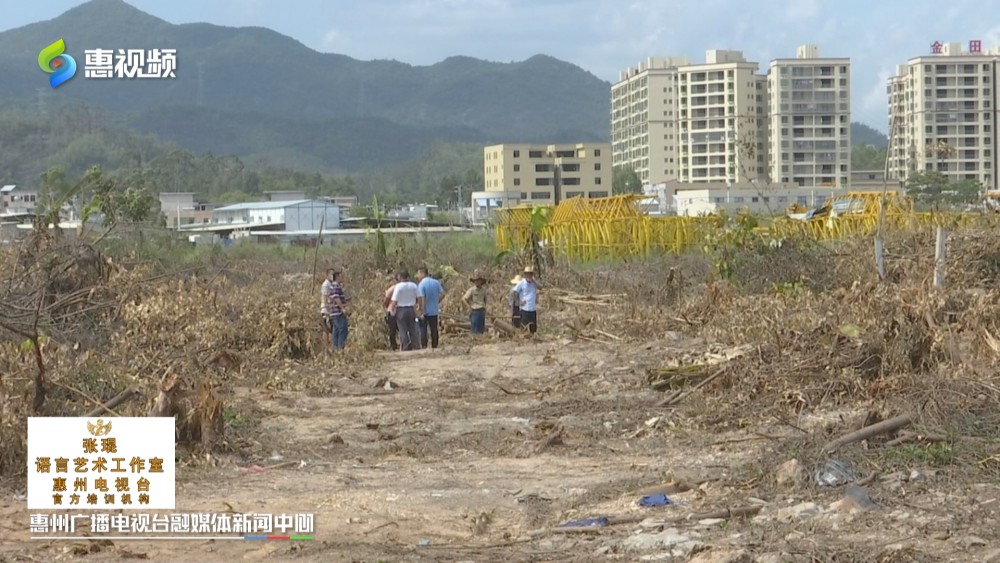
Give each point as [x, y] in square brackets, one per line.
[614, 227]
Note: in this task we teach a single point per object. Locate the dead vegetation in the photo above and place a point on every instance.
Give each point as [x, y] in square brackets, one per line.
[795, 331]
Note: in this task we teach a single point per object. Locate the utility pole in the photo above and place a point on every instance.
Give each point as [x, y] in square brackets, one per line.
[461, 219]
[557, 183]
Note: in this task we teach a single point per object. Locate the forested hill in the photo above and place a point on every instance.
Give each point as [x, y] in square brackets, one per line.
[330, 121]
[253, 91]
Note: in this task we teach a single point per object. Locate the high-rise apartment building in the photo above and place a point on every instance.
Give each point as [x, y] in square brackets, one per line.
[548, 174]
[644, 114]
[810, 119]
[722, 112]
[943, 115]
[721, 121]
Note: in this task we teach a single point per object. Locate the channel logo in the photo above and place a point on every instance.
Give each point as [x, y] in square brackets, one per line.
[60, 67]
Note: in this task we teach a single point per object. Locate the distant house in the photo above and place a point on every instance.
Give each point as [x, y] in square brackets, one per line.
[17, 201]
[295, 215]
[413, 212]
[181, 208]
[344, 201]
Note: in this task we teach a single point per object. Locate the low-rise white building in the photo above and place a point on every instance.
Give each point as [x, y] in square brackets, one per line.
[17, 201]
[485, 203]
[296, 215]
[769, 200]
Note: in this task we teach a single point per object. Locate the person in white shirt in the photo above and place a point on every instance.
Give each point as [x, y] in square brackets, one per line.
[407, 303]
[526, 294]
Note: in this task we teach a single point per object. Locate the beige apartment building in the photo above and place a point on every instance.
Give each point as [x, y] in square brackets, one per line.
[810, 119]
[722, 123]
[644, 118]
[548, 174]
[943, 115]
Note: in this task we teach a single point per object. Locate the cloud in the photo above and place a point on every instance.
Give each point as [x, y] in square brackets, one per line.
[332, 40]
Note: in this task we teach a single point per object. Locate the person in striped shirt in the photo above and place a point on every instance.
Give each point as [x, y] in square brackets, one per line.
[334, 308]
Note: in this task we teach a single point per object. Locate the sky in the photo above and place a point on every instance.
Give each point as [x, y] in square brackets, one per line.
[603, 37]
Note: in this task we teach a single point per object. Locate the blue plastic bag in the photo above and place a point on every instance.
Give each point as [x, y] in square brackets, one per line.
[655, 500]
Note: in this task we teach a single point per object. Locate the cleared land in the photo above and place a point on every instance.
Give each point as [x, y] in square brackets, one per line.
[479, 450]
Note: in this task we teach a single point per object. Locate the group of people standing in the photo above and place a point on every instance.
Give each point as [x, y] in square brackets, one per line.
[412, 309]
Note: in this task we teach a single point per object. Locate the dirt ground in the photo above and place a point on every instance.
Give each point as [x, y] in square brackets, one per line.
[476, 452]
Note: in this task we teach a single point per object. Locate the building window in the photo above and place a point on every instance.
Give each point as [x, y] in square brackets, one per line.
[534, 154]
[540, 195]
[542, 182]
[597, 152]
[517, 168]
[597, 194]
[597, 165]
[517, 181]
[597, 181]
[524, 195]
[517, 154]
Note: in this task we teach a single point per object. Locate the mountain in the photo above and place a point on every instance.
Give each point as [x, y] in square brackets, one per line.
[862, 134]
[276, 103]
[254, 91]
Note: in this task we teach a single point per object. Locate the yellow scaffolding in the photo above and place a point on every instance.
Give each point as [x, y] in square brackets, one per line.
[611, 227]
[615, 227]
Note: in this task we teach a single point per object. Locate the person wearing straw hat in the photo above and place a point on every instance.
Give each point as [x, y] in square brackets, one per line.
[526, 294]
[475, 300]
[514, 303]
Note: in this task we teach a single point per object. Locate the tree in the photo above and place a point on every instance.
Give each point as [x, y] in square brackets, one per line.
[934, 188]
[626, 181]
[53, 189]
[868, 157]
[118, 200]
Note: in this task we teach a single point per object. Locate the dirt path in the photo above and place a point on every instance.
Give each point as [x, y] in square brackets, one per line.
[468, 450]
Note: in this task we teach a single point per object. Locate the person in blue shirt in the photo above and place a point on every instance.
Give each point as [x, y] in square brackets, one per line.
[526, 295]
[433, 292]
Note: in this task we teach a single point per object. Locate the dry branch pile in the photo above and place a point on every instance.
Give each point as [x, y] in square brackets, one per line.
[899, 343]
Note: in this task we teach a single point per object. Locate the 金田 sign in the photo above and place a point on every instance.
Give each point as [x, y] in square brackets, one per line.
[103, 463]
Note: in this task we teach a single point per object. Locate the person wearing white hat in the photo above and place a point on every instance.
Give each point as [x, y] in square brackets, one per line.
[526, 293]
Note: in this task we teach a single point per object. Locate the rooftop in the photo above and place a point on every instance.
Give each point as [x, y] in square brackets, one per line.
[265, 205]
[7, 188]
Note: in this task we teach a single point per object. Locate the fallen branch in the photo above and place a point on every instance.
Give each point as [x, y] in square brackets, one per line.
[500, 387]
[676, 398]
[379, 527]
[114, 402]
[906, 437]
[612, 521]
[609, 335]
[869, 432]
[504, 327]
[726, 513]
